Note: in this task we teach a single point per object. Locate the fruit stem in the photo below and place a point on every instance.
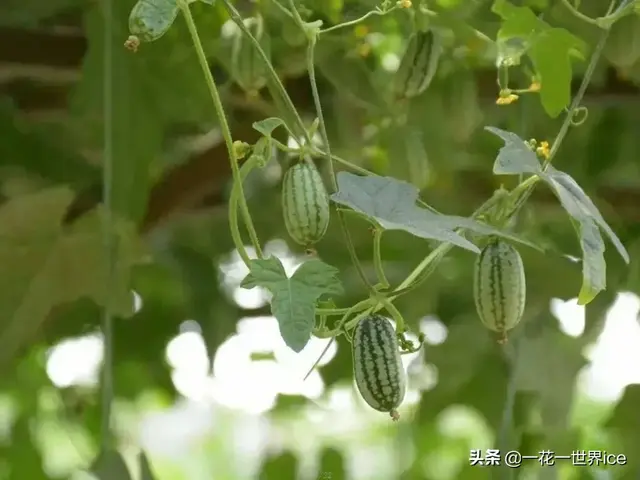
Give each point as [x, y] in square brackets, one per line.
[377, 257]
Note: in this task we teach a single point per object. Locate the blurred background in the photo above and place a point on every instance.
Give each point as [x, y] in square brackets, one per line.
[203, 382]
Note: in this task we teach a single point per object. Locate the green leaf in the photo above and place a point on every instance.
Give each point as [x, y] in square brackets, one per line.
[110, 466]
[594, 266]
[585, 213]
[510, 51]
[517, 21]
[549, 48]
[392, 204]
[43, 265]
[294, 299]
[145, 468]
[551, 55]
[484, 229]
[515, 156]
[578, 204]
[268, 125]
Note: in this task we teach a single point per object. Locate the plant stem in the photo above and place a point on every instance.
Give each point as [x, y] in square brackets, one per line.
[564, 129]
[283, 9]
[312, 36]
[579, 14]
[334, 333]
[331, 311]
[237, 19]
[604, 22]
[224, 125]
[357, 308]
[433, 259]
[395, 314]
[380, 13]
[502, 437]
[377, 257]
[233, 211]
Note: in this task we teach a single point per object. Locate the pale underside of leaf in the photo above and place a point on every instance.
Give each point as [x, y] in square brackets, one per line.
[579, 205]
[515, 156]
[392, 204]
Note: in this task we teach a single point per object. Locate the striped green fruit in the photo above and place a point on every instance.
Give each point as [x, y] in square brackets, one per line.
[499, 287]
[248, 68]
[151, 19]
[418, 65]
[305, 204]
[377, 365]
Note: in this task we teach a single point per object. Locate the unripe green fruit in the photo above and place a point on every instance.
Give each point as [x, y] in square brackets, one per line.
[377, 365]
[499, 287]
[305, 204]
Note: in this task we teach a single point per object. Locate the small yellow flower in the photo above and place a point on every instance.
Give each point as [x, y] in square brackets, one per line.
[506, 99]
[361, 31]
[405, 3]
[543, 150]
[534, 87]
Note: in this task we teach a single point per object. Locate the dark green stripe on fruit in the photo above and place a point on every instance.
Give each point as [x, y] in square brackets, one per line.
[499, 286]
[305, 204]
[377, 364]
[418, 65]
[421, 59]
[414, 55]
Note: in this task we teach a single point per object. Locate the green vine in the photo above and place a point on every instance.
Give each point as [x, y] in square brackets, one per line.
[495, 213]
[226, 131]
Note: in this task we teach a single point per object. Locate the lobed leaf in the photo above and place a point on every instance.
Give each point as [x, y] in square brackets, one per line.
[484, 229]
[551, 55]
[392, 204]
[594, 266]
[515, 156]
[294, 299]
[577, 204]
[268, 125]
[549, 48]
[44, 265]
